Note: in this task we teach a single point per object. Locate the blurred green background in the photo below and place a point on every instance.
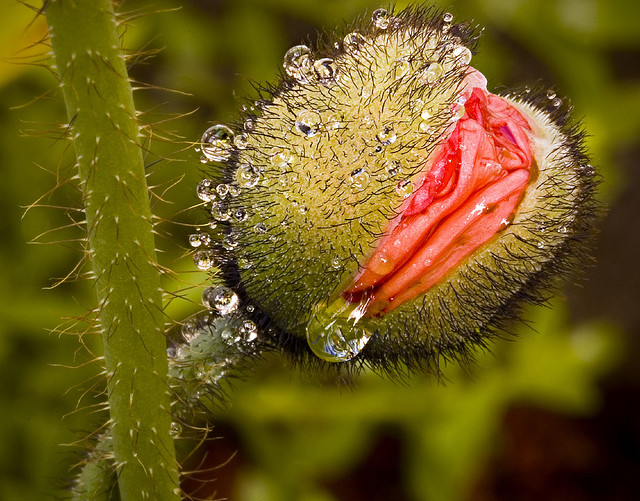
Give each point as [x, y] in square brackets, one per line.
[554, 415]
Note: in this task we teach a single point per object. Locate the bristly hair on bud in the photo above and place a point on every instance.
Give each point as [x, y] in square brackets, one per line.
[380, 206]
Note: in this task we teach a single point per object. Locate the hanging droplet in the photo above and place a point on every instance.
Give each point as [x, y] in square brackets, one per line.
[380, 19]
[279, 157]
[204, 259]
[334, 121]
[199, 239]
[462, 55]
[206, 190]
[217, 143]
[335, 333]
[392, 167]
[387, 135]
[556, 103]
[326, 71]
[298, 63]
[230, 240]
[220, 211]
[308, 122]
[358, 180]
[240, 214]
[400, 68]
[447, 17]
[247, 176]
[189, 330]
[404, 188]
[551, 94]
[222, 190]
[248, 331]
[221, 299]
[353, 41]
[433, 73]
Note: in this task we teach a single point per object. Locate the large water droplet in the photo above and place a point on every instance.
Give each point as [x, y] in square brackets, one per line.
[400, 68]
[222, 190]
[358, 180]
[326, 70]
[462, 55]
[241, 141]
[217, 143]
[404, 188]
[279, 157]
[335, 333]
[206, 190]
[199, 239]
[387, 135]
[380, 19]
[353, 41]
[432, 73]
[308, 122]
[220, 211]
[248, 331]
[221, 299]
[204, 259]
[447, 17]
[247, 176]
[298, 63]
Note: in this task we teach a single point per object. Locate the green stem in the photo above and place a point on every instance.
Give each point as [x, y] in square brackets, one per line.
[101, 112]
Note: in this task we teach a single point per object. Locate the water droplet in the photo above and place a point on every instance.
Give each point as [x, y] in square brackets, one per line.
[189, 330]
[556, 103]
[249, 124]
[358, 180]
[279, 157]
[400, 68]
[199, 239]
[462, 55]
[380, 19]
[540, 244]
[387, 135]
[353, 41]
[260, 228]
[457, 112]
[334, 333]
[220, 211]
[248, 331]
[551, 94]
[392, 167]
[222, 190]
[230, 240]
[425, 127]
[336, 262]
[206, 190]
[563, 230]
[247, 176]
[234, 190]
[381, 263]
[334, 121]
[447, 17]
[240, 214]
[432, 73]
[404, 188]
[308, 122]
[298, 63]
[241, 141]
[217, 143]
[204, 259]
[221, 299]
[326, 70]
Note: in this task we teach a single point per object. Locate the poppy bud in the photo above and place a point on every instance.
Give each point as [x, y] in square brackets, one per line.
[381, 203]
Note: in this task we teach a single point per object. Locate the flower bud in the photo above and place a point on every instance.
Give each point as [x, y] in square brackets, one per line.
[393, 210]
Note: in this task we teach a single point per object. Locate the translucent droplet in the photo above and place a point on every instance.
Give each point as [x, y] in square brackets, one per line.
[334, 121]
[248, 331]
[380, 19]
[336, 262]
[447, 17]
[551, 94]
[556, 103]
[204, 259]
[462, 55]
[387, 135]
[189, 330]
[392, 167]
[240, 214]
[381, 263]
[433, 73]
[230, 240]
[404, 188]
[234, 190]
[249, 124]
[353, 41]
[241, 141]
[298, 63]
[457, 112]
[335, 333]
[221, 299]
[326, 70]
[220, 211]
[206, 190]
[540, 244]
[260, 228]
[279, 157]
[425, 127]
[247, 176]
[199, 239]
[222, 190]
[563, 230]
[308, 122]
[400, 68]
[358, 180]
[217, 143]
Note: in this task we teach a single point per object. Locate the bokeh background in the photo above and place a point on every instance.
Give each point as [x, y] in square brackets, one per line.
[554, 415]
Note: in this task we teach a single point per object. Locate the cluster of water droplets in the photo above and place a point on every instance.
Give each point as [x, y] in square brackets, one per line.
[300, 65]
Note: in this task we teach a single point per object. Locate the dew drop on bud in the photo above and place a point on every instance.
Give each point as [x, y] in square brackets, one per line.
[220, 299]
[380, 19]
[222, 190]
[298, 63]
[279, 157]
[260, 228]
[333, 333]
[199, 239]
[241, 141]
[447, 17]
[308, 122]
[248, 331]
[204, 259]
[247, 176]
[433, 73]
[353, 41]
[551, 94]
[206, 190]
[217, 143]
[400, 68]
[189, 330]
[392, 167]
[358, 180]
[387, 135]
[326, 70]
[404, 188]
[220, 212]
[462, 55]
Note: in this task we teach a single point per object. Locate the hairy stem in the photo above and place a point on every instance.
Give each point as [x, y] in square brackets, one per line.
[102, 119]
